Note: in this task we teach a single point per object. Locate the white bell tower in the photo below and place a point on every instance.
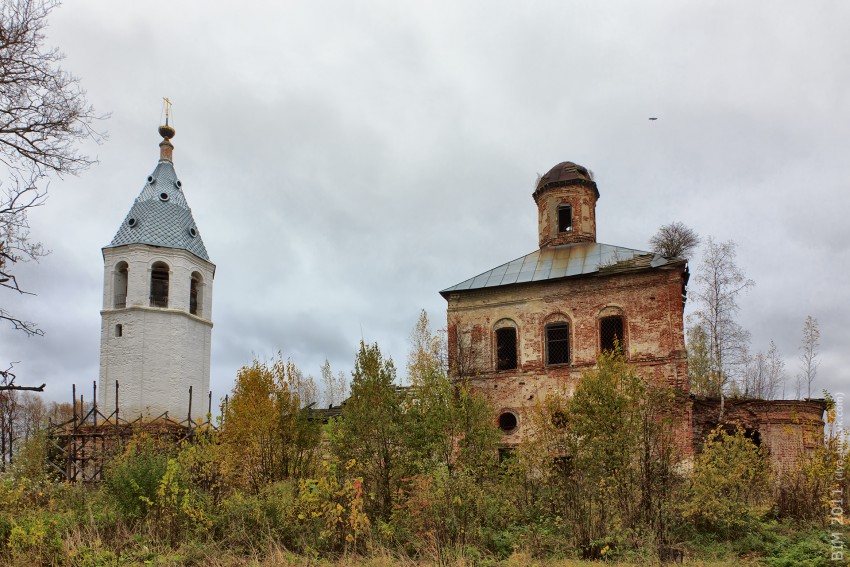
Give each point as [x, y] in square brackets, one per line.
[156, 319]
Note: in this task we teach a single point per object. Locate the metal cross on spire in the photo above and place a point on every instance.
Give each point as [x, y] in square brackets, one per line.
[167, 131]
[167, 104]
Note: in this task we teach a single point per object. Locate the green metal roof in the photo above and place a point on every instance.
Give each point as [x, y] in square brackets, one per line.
[566, 261]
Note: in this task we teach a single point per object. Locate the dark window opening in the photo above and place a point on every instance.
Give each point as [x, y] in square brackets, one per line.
[563, 465]
[506, 358]
[558, 343]
[750, 433]
[559, 419]
[507, 422]
[565, 218]
[119, 330]
[159, 285]
[611, 333]
[193, 297]
[120, 287]
[506, 454]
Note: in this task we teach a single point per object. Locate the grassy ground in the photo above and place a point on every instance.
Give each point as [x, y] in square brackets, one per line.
[779, 546]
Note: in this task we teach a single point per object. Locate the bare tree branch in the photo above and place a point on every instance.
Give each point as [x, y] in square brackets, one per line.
[7, 379]
[44, 115]
[720, 281]
[20, 388]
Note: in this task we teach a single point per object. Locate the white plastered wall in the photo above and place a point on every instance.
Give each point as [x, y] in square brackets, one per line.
[161, 351]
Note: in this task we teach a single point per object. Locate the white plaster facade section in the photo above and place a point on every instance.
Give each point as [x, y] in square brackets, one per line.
[155, 352]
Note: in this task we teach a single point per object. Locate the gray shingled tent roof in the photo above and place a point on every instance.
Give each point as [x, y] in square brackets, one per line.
[160, 216]
[562, 262]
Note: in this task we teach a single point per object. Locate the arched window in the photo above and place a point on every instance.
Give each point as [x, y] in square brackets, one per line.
[558, 343]
[196, 294]
[159, 285]
[611, 333]
[506, 351]
[119, 286]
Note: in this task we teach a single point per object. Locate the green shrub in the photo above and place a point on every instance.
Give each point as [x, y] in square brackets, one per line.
[35, 539]
[31, 459]
[241, 522]
[730, 487]
[133, 477]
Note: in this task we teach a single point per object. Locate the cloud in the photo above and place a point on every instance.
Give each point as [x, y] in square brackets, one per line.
[346, 161]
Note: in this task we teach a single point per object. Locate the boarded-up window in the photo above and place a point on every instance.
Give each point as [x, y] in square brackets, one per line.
[611, 333]
[558, 343]
[506, 358]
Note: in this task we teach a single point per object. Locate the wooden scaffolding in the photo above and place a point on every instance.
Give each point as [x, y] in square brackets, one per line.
[79, 448]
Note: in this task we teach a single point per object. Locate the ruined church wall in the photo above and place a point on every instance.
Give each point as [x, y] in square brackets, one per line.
[650, 303]
[788, 429]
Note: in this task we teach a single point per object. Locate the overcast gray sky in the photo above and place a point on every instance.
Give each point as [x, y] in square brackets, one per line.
[345, 161]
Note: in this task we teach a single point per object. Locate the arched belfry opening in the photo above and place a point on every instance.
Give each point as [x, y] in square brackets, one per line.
[159, 285]
[196, 294]
[119, 285]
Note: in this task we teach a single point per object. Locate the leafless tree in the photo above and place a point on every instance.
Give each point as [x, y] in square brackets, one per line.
[763, 375]
[305, 388]
[8, 419]
[808, 356]
[464, 349]
[719, 283]
[22, 417]
[33, 415]
[60, 412]
[44, 115]
[674, 240]
[335, 386]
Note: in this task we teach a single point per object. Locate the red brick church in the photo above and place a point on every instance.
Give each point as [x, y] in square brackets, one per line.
[530, 326]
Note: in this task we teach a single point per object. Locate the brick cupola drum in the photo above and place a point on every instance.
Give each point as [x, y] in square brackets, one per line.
[156, 320]
[566, 203]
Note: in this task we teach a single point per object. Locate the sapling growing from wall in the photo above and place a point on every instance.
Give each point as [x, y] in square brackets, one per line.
[809, 361]
[674, 240]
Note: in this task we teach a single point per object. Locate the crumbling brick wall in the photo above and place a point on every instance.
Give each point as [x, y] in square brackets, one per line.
[787, 428]
[650, 302]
